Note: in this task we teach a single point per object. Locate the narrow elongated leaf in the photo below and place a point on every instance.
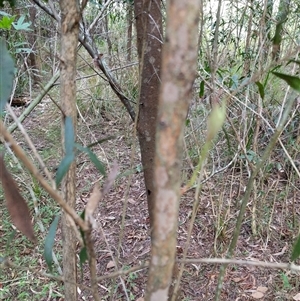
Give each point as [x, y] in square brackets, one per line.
[6, 75]
[292, 81]
[201, 92]
[99, 165]
[63, 168]
[83, 256]
[93, 202]
[261, 89]
[296, 249]
[16, 205]
[293, 61]
[49, 242]
[215, 121]
[69, 136]
[101, 141]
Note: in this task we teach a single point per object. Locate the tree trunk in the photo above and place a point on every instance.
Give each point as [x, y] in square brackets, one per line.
[70, 16]
[179, 63]
[129, 30]
[282, 16]
[149, 44]
[31, 37]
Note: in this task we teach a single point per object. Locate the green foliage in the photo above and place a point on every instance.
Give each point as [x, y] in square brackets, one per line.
[261, 89]
[70, 146]
[215, 121]
[6, 22]
[201, 90]
[12, 3]
[69, 136]
[21, 25]
[292, 81]
[69, 149]
[285, 281]
[83, 257]
[296, 249]
[99, 165]
[49, 242]
[13, 28]
[63, 168]
[6, 75]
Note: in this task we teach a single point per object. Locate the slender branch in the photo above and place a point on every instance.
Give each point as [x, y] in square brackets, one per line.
[31, 145]
[248, 191]
[273, 265]
[101, 13]
[30, 166]
[87, 42]
[35, 102]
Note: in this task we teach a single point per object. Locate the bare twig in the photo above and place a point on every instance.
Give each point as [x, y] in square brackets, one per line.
[30, 166]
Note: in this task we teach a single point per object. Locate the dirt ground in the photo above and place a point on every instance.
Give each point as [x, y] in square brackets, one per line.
[127, 241]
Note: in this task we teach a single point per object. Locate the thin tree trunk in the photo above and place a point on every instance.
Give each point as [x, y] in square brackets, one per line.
[247, 61]
[129, 30]
[282, 16]
[149, 44]
[31, 36]
[70, 16]
[179, 65]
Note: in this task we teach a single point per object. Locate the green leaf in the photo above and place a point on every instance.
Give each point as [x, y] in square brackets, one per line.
[293, 61]
[99, 165]
[296, 249]
[63, 168]
[49, 242]
[261, 89]
[101, 141]
[6, 22]
[69, 136]
[201, 92]
[82, 215]
[215, 121]
[83, 256]
[21, 25]
[6, 75]
[292, 81]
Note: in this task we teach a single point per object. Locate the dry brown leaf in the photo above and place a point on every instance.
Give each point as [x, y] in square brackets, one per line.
[297, 297]
[110, 178]
[16, 205]
[236, 280]
[262, 289]
[92, 203]
[131, 201]
[257, 295]
[140, 299]
[110, 265]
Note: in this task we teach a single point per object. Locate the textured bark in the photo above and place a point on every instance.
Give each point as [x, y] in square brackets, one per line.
[282, 16]
[31, 36]
[129, 30]
[149, 44]
[179, 64]
[70, 16]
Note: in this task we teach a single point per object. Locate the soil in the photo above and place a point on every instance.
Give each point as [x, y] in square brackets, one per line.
[122, 235]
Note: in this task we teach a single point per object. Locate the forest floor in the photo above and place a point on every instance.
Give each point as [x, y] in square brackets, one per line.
[277, 209]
